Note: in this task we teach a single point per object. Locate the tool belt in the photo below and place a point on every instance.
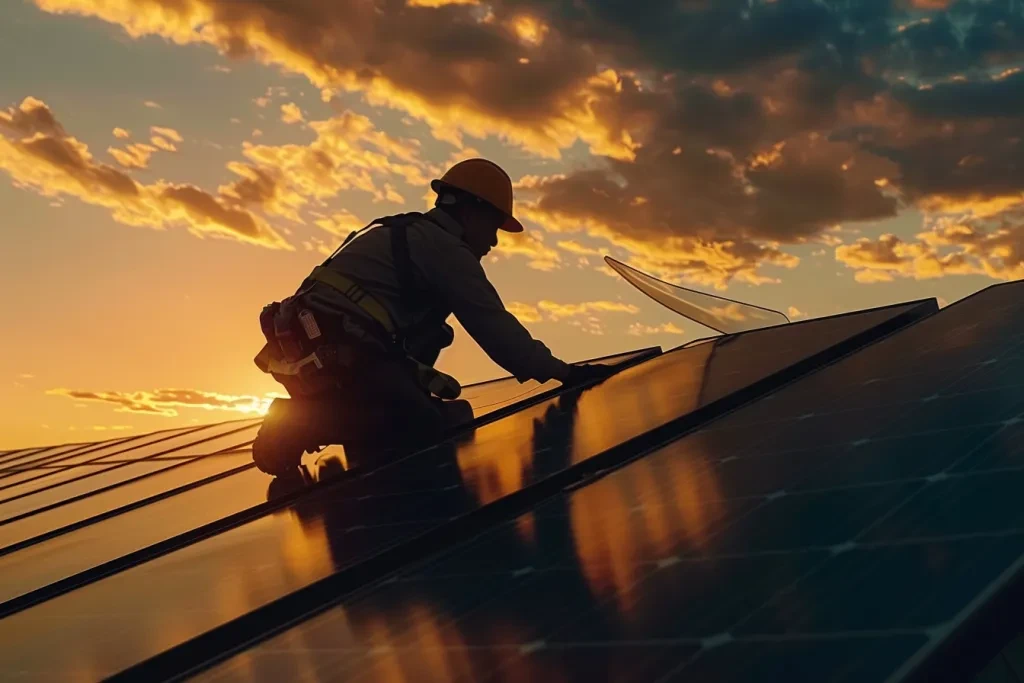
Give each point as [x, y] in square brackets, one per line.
[308, 359]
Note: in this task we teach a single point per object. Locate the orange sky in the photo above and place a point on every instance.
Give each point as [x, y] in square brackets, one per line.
[166, 169]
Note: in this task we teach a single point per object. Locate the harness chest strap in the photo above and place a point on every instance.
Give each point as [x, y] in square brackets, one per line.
[356, 295]
[437, 382]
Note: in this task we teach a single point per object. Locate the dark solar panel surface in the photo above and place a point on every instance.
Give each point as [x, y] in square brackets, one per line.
[91, 545]
[75, 482]
[216, 579]
[842, 529]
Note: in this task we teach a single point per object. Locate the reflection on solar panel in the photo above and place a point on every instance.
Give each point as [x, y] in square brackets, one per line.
[822, 501]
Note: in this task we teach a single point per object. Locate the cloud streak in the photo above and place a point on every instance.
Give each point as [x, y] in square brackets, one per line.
[166, 402]
[39, 154]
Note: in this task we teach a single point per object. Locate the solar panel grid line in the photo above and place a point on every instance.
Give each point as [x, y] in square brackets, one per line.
[218, 526]
[94, 572]
[93, 450]
[927, 679]
[117, 511]
[20, 461]
[975, 646]
[89, 494]
[85, 449]
[116, 466]
[316, 597]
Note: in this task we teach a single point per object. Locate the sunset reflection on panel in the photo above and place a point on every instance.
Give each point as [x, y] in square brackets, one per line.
[617, 541]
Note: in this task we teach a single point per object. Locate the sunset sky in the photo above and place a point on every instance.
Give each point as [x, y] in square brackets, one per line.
[167, 167]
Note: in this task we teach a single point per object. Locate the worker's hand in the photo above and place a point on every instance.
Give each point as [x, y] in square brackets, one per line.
[583, 374]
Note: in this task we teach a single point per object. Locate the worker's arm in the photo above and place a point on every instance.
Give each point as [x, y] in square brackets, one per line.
[458, 276]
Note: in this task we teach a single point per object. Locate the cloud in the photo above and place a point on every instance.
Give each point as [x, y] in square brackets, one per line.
[529, 245]
[38, 154]
[111, 428]
[441, 64]
[341, 223]
[577, 248]
[793, 312]
[638, 329]
[723, 131]
[558, 311]
[150, 104]
[348, 153]
[165, 402]
[163, 144]
[168, 133]
[526, 313]
[948, 248]
[290, 113]
[133, 156]
[121, 134]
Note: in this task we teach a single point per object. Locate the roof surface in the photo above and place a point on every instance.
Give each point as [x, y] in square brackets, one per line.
[830, 500]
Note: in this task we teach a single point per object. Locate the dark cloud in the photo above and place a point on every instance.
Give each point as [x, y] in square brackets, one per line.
[735, 126]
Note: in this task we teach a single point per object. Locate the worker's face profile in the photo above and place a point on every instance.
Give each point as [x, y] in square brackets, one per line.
[482, 229]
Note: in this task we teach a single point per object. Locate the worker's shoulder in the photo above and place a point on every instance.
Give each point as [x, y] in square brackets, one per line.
[430, 238]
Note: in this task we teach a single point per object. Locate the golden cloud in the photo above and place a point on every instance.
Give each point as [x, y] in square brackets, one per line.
[525, 313]
[38, 154]
[163, 143]
[577, 248]
[557, 311]
[530, 245]
[168, 133]
[341, 223]
[133, 156]
[690, 259]
[121, 134]
[949, 248]
[290, 113]
[165, 402]
[638, 329]
[563, 97]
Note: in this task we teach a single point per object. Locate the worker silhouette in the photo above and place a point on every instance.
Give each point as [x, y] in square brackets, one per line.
[356, 345]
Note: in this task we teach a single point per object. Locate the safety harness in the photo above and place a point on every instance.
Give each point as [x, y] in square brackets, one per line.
[300, 356]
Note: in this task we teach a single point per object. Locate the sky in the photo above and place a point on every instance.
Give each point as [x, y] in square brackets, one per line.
[167, 167]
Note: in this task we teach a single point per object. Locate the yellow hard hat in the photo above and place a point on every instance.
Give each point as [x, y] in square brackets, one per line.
[484, 180]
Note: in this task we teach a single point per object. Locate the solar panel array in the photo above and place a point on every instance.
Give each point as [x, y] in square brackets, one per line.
[823, 501]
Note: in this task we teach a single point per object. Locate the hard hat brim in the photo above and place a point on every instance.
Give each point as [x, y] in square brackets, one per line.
[511, 224]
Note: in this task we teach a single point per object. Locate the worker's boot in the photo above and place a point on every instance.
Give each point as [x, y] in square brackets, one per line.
[290, 428]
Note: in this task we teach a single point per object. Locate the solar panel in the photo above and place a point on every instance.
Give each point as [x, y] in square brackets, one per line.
[29, 567]
[487, 398]
[793, 539]
[21, 459]
[95, 519]
[338, 526]
[52, 485]
[48, 518]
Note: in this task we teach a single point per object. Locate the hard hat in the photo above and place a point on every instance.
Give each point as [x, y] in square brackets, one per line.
[486, 181]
